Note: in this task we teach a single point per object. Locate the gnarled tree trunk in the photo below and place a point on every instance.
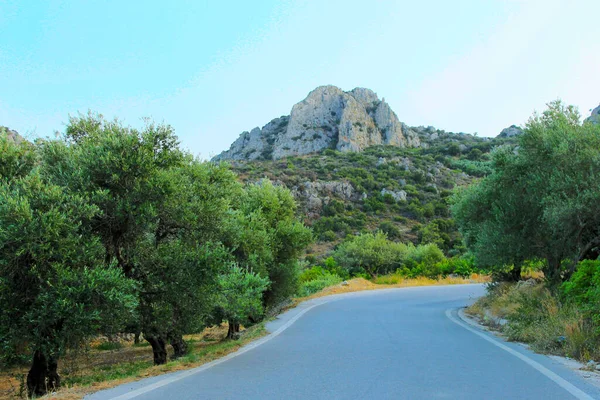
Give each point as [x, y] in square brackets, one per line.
[180, 347]
[43, 375]
[234, 329]
[159, 348]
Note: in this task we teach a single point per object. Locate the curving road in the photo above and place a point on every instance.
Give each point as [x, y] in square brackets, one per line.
[390, 344]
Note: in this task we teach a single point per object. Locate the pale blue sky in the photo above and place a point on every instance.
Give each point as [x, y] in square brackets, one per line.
[213, 69]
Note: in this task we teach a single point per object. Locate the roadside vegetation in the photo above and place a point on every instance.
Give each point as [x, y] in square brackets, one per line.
[114, 232]
[114, 241]
[539, 211]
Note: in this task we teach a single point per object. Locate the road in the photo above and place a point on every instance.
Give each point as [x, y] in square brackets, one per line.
[393, 344]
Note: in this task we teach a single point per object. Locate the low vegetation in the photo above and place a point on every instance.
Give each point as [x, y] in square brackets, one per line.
[539, 210]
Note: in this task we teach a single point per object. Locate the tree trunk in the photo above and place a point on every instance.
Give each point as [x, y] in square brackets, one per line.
[43, 375]
[159, 348]
[552, 271]
[136, 337]
[515, 274]
[234, 329]
[180, 347]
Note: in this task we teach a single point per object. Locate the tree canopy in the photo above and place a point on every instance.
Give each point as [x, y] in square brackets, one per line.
[542, 199]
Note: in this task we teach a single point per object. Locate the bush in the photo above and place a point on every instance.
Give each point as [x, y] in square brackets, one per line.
[311, 274]
[550, 326]
[328, 236]
[321, 282]
[536, 316]
[583, 289]
[370, 253]
[390, 230]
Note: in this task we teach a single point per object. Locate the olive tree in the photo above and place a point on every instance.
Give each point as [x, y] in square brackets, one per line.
[541, 201]
[240, 297]
[266, 237]
[55, 290]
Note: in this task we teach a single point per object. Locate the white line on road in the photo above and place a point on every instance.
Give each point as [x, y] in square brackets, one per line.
[568, 386]
[204, 367]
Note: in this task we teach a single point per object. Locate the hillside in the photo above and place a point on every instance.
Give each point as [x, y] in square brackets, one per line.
[401, 191]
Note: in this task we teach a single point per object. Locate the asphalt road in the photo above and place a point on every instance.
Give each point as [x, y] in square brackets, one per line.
[394, 344]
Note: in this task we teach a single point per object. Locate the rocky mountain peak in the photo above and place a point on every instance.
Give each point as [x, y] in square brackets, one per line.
[11, 134]
[511, 131]
[327, 118]
[595, 116]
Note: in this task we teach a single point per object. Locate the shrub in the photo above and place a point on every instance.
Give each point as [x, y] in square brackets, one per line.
[371, 253]
[315, 285]
[583, 289]
[328, 236]
[390, 230]
[311, 274]
[536, 316]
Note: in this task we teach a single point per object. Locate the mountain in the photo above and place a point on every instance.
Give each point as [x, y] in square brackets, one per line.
[328, 118]
[400, 190]
[511, 131]
[354, 167]
[595, 116]
[12, 135]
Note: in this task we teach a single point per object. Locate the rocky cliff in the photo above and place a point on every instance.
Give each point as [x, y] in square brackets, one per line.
[595, 117]
[12, 135]
[328, 118]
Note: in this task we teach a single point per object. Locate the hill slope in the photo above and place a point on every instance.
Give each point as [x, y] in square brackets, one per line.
[401, 191]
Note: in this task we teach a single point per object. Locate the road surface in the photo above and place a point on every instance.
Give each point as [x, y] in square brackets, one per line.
[392, 344]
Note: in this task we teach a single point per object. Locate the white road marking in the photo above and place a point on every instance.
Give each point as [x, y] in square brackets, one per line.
[563, 383]
[253, 345]
[204, 367]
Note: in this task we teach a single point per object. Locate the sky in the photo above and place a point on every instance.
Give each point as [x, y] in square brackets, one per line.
[213, 69]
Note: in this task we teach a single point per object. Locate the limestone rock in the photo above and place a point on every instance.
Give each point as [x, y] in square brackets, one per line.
[11, 135]
[256, 144]
[399, 195]
[314, 195]
[511, 131]
[328, 118]
[595, 116]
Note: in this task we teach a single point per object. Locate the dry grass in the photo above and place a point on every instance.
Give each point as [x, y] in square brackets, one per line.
[361, 284]
[537, 317]
[94, 370]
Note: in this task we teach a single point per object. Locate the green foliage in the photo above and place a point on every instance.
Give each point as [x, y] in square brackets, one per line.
[390, 230]
[370, 253]
[541, 200]
[473, 167]
[240, 295]
[54, 289]
[583, 289]
[16, 159]
[375, 255]
[319, 283]
[267, 238]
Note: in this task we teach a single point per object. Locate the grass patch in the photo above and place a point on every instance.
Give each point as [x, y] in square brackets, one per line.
[106, 346]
